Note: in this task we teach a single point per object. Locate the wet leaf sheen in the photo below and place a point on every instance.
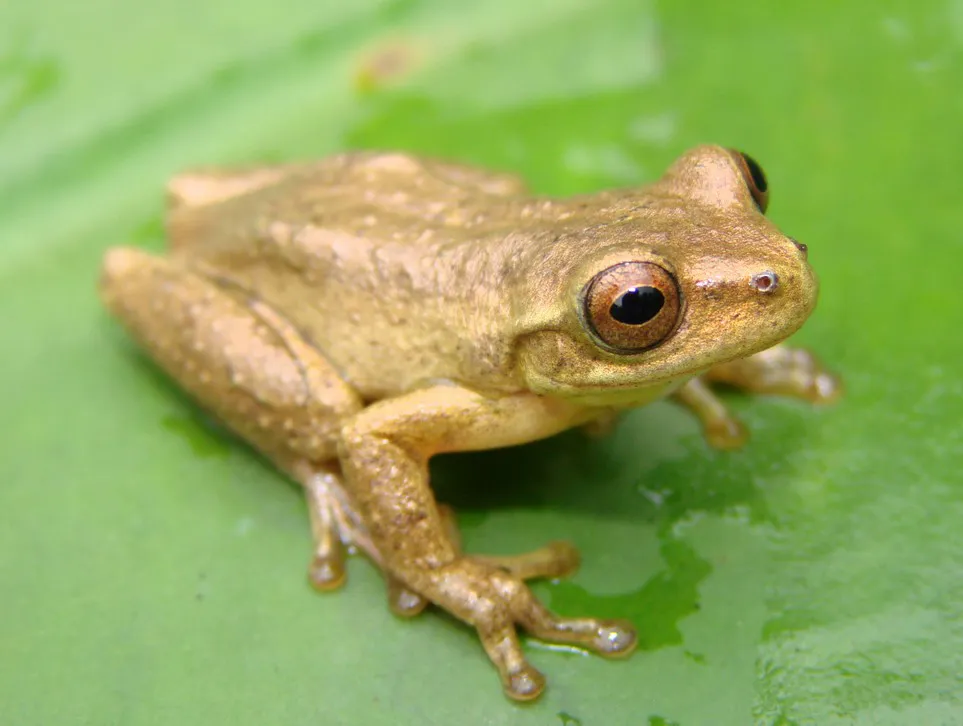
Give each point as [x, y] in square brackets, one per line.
[153, 570]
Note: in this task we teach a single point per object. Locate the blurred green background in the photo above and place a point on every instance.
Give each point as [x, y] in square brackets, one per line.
[152, 569]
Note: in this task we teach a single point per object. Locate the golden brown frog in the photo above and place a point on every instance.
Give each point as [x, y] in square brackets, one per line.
[353, 317]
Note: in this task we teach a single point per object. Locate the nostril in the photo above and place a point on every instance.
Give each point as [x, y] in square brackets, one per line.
[765, 281]
[799, 245]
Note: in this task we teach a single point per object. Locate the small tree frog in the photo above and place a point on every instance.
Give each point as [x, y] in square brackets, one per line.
[352, 317]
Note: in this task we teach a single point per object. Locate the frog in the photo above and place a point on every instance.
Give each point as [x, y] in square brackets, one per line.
[354, 316]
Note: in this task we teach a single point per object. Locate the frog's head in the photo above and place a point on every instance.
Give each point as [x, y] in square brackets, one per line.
[647, 288]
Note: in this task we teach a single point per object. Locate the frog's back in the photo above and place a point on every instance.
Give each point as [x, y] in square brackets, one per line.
[394, 266]
[371, 194]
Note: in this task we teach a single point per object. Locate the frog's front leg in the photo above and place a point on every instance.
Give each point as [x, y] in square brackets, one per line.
[551, 561]
[780, 370]
[384, 452]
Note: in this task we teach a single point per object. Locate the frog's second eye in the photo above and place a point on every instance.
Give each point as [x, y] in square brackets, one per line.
[632, 306]
[754, 177]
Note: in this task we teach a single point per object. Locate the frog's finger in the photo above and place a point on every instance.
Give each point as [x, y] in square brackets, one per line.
[556, 559]
[327, 570]
[520, 679]
[721, 429]
[611, 638]
[402, 601]
[500, 602]
[335, 524]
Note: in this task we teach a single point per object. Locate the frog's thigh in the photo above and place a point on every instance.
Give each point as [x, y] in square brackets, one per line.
[781, 370]
[243, 362]
[385, 452]
[236, 356]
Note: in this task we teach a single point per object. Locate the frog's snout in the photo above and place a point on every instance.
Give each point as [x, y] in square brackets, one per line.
[788, 291]
[786, 276]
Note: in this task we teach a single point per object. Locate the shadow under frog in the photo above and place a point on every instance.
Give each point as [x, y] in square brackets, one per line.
[601, 478]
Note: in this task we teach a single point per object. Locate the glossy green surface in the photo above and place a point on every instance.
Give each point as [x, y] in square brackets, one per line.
[152, 570]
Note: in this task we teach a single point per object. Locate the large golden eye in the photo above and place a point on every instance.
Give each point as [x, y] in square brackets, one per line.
[632, 306]
[754, 177]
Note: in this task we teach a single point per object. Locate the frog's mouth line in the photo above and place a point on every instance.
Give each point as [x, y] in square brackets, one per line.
[636, 392]
[627, 394]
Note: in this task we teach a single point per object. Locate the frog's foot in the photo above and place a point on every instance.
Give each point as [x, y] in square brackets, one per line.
[780, 370]
[554, 560]
[721, 429]
[496, 603]
[336, 527]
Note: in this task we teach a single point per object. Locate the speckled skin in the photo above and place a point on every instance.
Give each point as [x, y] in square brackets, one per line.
[353, 317]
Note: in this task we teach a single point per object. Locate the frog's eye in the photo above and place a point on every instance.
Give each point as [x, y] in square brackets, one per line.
[754, 177]
[632, 306]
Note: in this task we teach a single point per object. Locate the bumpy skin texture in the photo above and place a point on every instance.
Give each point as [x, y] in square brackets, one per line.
[353, 317]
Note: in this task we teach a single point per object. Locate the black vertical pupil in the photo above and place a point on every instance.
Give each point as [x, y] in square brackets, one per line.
[637, 305]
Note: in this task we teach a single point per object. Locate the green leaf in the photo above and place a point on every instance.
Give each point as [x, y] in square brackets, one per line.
[152, 569]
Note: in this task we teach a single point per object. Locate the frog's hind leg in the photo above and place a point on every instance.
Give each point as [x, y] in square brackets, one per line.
[780, 370]
[233, 354]
[249, 367]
